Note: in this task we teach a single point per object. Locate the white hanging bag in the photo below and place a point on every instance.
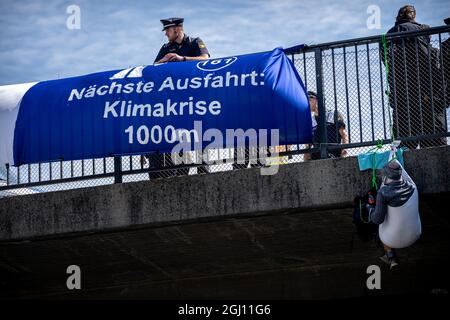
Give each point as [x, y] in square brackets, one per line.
[402, 226]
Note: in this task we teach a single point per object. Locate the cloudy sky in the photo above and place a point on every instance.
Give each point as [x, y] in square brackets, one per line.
[36, 45]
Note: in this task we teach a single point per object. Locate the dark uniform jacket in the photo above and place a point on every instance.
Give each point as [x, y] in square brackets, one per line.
[394, 193]
[446, 67]
[189, 47]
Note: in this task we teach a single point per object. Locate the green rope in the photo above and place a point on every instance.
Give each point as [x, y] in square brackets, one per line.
[379, 144]
[378, 147]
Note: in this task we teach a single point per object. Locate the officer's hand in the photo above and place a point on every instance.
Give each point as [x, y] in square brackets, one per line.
[173, 57]
[165, 58]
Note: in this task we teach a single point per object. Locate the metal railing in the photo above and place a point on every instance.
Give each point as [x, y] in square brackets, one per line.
[367, 104]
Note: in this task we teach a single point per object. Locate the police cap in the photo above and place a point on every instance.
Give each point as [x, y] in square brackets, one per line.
[171, 22]
[312, 94]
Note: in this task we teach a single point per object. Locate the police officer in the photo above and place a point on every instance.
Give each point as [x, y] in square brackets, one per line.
[180, 46]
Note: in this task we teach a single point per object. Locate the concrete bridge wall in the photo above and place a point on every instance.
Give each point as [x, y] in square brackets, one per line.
[321, 184]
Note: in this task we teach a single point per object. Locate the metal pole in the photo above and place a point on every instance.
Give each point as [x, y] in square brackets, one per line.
[320, 104]
[118, 169]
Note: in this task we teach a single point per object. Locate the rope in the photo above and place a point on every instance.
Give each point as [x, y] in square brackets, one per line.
[378, 147]
[379, 144]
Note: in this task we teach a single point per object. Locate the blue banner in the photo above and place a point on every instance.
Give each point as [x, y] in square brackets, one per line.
[145, 109]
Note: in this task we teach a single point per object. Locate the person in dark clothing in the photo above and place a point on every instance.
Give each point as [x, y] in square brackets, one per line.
[179, 48]
[446, 64]
[336, 132]
[158, 160]
[395, 192]
[415, 84]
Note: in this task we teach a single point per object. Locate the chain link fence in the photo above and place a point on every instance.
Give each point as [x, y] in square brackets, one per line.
[368, 90]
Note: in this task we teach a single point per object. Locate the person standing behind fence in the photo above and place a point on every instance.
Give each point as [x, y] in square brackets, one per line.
[334, 123]
[415, 83]
[446, 63]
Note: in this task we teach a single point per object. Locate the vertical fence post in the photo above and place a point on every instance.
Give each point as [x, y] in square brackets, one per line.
[320, 104]
[7, 174]
[118, 169]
